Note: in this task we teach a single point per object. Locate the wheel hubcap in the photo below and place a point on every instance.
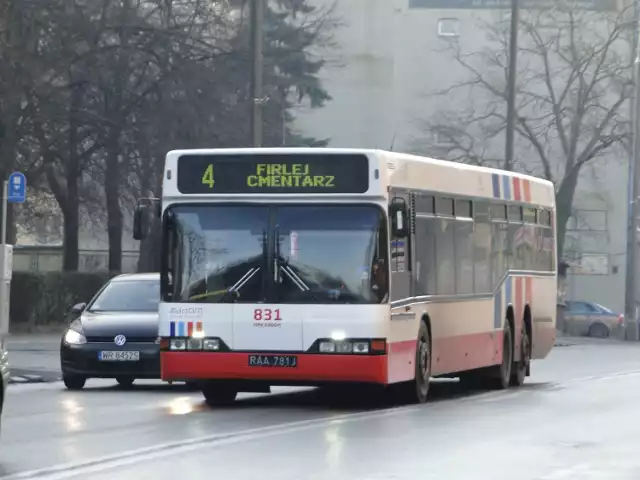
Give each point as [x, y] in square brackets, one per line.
[526, 352]
[424, 359]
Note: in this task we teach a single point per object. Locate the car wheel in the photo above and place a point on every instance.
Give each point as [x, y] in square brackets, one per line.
[598, 330]
[218, 394]
[74, 382]
[125, 381]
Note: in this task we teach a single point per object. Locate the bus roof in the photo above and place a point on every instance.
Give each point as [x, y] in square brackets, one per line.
[424, 173]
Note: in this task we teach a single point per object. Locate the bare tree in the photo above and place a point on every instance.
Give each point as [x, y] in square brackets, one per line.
[573, 86]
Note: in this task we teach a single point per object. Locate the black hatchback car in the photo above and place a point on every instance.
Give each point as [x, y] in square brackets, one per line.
[114, 335]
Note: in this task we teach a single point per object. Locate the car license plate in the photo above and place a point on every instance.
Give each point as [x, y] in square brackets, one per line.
[284, 361]
[119, 356]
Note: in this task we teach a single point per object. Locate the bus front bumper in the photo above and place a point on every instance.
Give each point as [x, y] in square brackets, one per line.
[311, 369]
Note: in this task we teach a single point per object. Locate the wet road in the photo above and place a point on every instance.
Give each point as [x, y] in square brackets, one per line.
[576, 419]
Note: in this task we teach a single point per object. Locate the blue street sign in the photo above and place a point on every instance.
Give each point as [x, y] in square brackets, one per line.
[17, 188]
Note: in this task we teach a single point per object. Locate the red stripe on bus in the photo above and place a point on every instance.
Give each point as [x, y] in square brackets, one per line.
[402, 358]
[516, 188]
[526, 187]
[466, 352]
[189, 329]
[312, 369]
[518, 300]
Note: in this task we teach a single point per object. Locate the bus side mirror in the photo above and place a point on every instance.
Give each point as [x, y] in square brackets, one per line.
[139, 222]
[399, 219]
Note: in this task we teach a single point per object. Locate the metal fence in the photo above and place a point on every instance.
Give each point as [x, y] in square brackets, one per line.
[49, 259]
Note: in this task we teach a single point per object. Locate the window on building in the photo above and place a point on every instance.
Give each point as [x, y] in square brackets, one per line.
[449, 27]
[446, 138]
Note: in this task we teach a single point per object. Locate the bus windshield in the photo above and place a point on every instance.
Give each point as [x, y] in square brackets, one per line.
[278, 254]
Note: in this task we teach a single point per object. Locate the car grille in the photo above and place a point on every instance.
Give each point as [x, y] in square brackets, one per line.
[144, 365]
[110, 338]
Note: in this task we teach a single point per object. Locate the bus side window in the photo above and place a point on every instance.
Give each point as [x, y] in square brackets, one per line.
[427, 273]
[445, 246]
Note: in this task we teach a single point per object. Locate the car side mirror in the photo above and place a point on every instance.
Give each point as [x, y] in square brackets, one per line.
[78, 308]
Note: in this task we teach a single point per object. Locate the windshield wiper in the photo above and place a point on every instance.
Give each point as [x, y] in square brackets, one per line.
[234, 290]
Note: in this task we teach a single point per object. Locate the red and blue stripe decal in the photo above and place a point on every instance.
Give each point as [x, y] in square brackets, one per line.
[184, 329]
[516, 292]
[506, 187]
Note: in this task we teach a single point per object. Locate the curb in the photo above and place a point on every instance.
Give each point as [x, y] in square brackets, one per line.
[26, 379]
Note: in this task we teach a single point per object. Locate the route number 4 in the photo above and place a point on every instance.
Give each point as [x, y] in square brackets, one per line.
[267, 315]
[207, 177]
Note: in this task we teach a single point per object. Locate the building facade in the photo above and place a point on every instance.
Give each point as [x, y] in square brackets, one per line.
[393, 56]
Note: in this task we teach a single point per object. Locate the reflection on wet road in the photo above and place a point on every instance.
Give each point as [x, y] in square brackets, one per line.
[576, 416]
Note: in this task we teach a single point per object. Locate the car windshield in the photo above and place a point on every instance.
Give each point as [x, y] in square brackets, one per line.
[281, 254]
[128, 296]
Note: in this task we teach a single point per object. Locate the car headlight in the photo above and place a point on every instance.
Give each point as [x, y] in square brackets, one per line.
[74, 338]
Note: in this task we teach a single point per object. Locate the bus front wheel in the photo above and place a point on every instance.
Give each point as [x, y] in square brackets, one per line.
[218, 394]
[416, 391]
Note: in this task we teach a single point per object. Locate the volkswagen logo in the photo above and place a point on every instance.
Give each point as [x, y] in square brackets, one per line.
[120, 340]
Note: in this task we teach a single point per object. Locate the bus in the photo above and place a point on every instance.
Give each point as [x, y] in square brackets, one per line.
[324, 267]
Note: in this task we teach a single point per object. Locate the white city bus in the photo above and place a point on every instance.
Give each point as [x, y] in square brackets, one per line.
[336, 266]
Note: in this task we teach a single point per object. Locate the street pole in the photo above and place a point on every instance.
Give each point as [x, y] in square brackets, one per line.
[5, 195]
[257, 18]
[4, 311]
[631, 316]
[511, 84]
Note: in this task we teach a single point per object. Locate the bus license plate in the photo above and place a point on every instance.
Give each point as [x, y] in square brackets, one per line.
[284, 361]
[119, 356]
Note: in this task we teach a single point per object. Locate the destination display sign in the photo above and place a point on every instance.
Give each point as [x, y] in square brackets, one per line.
[273, 173]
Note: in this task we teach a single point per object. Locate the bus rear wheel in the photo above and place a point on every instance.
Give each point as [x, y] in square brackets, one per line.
[521, 368]
[501, 375]
[218, 394]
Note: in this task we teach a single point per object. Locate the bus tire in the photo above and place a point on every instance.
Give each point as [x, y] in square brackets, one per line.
[501, 378]
[417, 390]
[521, 368]
[218, 394]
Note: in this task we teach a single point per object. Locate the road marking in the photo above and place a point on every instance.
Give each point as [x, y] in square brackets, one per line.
[128, 457]
[568, 472]
[133, 456]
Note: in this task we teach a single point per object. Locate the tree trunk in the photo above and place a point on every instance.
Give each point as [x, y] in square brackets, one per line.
[71, 210]
[564, 207]
[112, 192]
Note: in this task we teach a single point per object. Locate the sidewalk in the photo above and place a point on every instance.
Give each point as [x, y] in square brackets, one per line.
[34, 358]
[563, 340]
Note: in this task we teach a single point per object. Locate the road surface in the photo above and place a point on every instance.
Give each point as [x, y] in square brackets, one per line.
[576, 419]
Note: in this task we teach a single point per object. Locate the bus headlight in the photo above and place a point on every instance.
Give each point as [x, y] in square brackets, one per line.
[327, 347]
[194, 344]
[211, 344]
[357, 347]
[177, 344]
[360, 347]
